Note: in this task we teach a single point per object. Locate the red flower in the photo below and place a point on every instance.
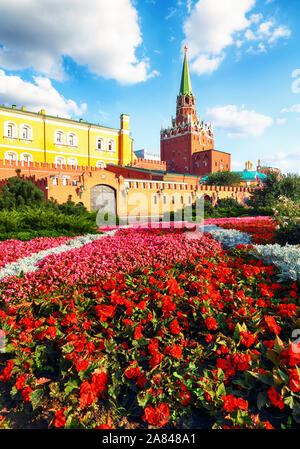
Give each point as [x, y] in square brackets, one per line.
[207, 396]
[272, 325]
[7, 371]
[174, 327]
[138, 332]
[275, 398]
[104, 426]
[104, 312]
[51, 331]
[82, 365]
[26, 394]
[247, 339]
[158, 416]
[20, 382]
[211, 323]
[60, 419]
[176, 351]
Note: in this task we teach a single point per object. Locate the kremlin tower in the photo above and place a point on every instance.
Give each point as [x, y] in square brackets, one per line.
[188, 145]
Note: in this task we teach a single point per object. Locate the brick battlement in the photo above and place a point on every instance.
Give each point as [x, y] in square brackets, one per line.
[45, 166]
[149, 164]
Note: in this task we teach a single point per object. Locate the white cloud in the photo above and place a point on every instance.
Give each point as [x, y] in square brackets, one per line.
[36, 96]
[189, 5]
[281, 121]
[287, 162]
[268, 32]
[278, 33]
[294, 108]
[172, 12]
[99, 34]
[265, 27]
[206, 64]
[239, 122]
[218, 21]
[255, 18]
[214, 25]
[261, 48]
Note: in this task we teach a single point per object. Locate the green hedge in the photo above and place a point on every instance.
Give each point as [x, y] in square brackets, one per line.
[27, 224]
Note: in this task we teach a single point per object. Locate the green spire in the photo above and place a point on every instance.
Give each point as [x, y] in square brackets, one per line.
[185, 85]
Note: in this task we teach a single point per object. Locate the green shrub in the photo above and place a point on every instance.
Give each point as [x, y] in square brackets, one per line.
[289, 235]
[43, 222]
[19, 193]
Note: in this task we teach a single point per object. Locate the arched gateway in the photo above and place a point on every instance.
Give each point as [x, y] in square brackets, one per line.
[103, 199]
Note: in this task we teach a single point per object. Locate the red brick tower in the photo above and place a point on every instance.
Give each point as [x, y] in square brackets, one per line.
[188, 145]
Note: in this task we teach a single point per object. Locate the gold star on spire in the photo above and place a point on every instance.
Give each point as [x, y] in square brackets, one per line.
[185, 48]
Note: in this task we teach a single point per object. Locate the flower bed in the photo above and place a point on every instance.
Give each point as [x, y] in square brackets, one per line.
[154, 326]
[12, 250]
[261, 229]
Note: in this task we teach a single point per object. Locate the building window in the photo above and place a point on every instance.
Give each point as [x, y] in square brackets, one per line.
[155, 199]
[72, 161]
[59, 137]
[165, 200]
[10, 130]
[100, 144]
[111, 145]
[25, 132]
[173, 199]
[72, 140]
[11, 156]
[100, 164]
[60, 160]
[26, 157]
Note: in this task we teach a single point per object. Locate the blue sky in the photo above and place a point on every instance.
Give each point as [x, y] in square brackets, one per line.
[97, 59]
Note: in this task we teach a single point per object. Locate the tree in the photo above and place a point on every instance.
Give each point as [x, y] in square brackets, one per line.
[18, 193]
[288, 186]
[226, 178]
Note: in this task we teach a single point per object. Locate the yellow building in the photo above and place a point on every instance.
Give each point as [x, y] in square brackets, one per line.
[38, 137]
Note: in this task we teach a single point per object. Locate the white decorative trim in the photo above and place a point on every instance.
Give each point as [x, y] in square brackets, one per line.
[30, 132]
[154, 181]
[56, 152]
[26, 154]
[12, 152]
[56, 132]
[60, 163]
[72, 158]
[53, 121]
[103, 141]
[14, 131]
[75, 141]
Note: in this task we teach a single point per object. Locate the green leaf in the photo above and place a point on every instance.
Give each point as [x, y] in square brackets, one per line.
[143, 400]
[36, 398]
[221, 390]
[221, 374]
[178, 376]
[71, 385]
[289, 401]
[262, 400]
